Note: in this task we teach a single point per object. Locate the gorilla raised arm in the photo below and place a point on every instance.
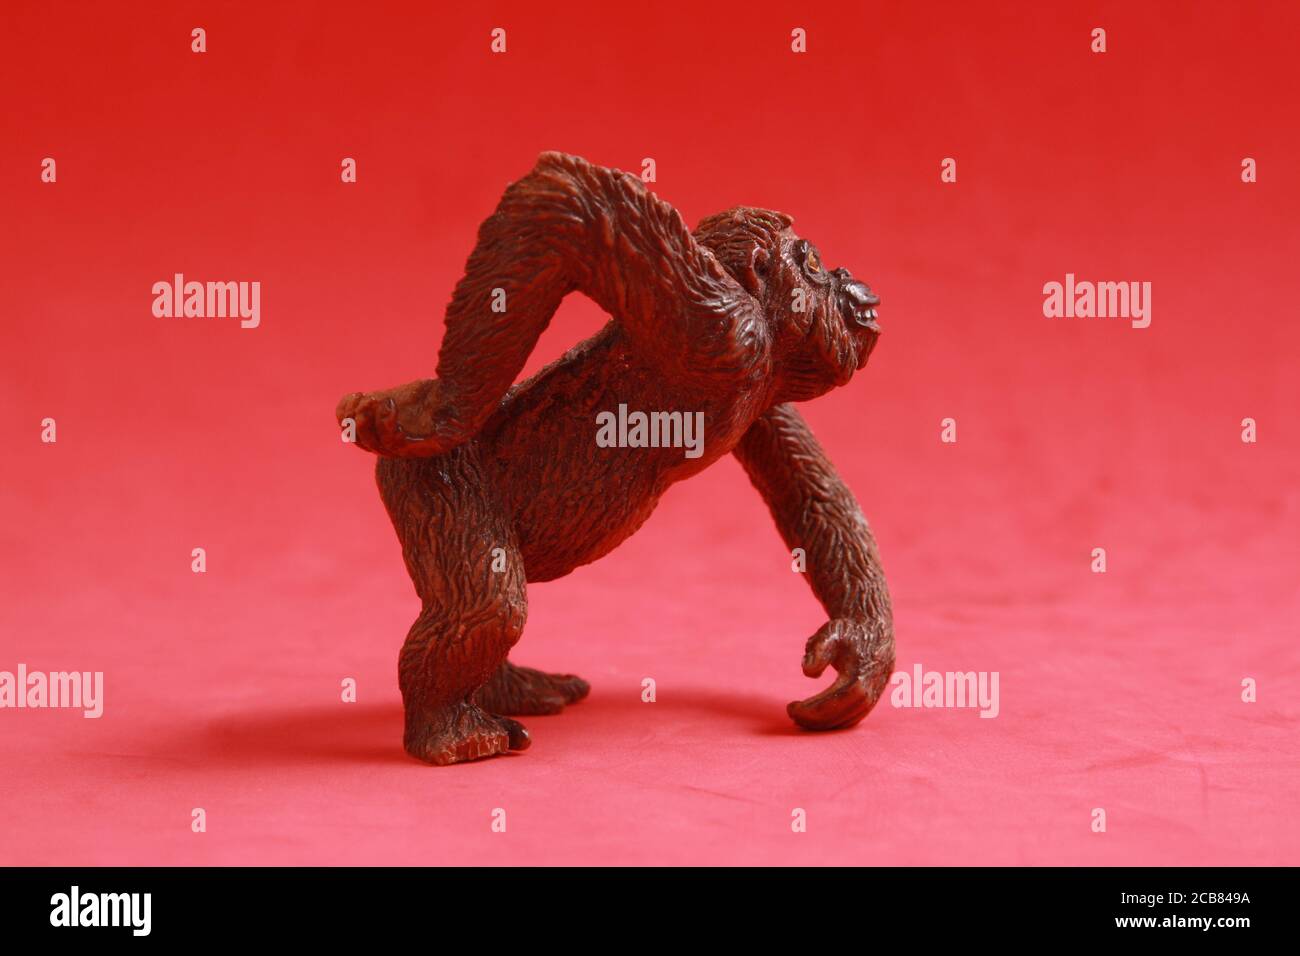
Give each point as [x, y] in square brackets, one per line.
[491, 486]
[567, 226]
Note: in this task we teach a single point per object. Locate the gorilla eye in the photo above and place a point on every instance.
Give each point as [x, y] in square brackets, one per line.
[812, 263]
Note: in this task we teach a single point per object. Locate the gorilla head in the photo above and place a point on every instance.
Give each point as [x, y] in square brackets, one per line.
[823, 321]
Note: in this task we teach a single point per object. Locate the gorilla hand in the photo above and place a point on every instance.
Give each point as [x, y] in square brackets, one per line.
[863, 657]
[409, 421]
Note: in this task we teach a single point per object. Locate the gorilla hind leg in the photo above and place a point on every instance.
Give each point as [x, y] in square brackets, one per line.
[474, 605]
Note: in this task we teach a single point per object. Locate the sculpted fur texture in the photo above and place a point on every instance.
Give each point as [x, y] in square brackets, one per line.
[491, 486]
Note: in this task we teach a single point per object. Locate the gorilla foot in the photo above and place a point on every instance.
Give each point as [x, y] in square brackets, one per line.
[523, 690]
[460, 733]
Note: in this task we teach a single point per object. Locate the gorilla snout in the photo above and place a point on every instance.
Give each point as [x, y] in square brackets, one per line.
[860, 295]
[859, 301]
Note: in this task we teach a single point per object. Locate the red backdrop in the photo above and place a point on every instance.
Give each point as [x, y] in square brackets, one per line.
[1120, 691]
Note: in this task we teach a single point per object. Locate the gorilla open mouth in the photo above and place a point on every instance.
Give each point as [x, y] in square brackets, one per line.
[867, 319]
[859, 304]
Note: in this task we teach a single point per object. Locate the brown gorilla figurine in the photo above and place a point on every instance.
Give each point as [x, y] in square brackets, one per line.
[491, 486]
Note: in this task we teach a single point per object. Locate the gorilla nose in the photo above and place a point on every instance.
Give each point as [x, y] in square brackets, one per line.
[860, 295]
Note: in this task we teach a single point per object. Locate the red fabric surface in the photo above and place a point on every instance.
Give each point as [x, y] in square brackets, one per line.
[1119, 691]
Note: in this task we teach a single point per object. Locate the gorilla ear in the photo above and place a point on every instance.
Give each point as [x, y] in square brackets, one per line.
[744, 239]
[754, 274]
